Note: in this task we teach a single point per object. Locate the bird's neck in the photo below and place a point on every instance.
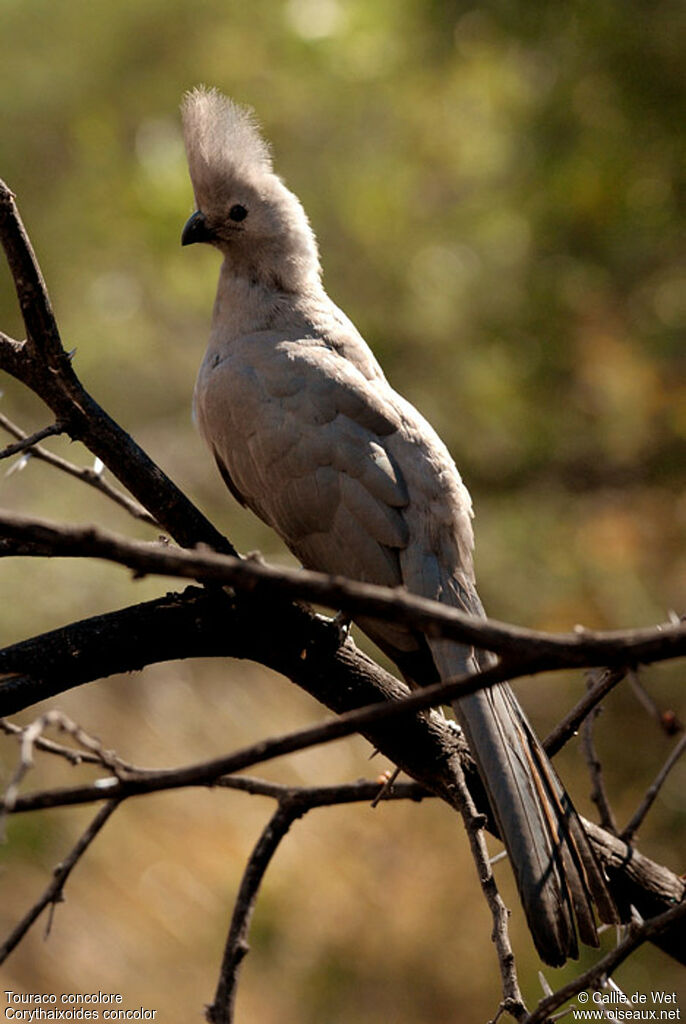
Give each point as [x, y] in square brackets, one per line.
[245, 305]
[241, 305]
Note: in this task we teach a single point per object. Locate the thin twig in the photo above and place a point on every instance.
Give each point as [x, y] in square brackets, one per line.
[30, 737]
[29, 441]
[667, 720]
[637, 935]
[512, 1001]
[362, 791]
[95, 754]
[637, 818]
[604, 680]
[83, 473]
[207, 772]
[221, 1010]
[293, 803]
[598, 792]
[74, 756]
[53, 893]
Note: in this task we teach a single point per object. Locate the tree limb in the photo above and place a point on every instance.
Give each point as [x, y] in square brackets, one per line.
[199, 622]
[289, 809]
[598, 791]
[43, 365]
[604, 680]
[579, 649]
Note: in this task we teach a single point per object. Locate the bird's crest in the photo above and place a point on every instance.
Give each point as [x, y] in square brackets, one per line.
[222, 140]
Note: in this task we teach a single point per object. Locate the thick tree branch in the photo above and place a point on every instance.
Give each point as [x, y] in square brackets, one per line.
[580, 649]
[43, 365]
[306, 649]
[634, 879]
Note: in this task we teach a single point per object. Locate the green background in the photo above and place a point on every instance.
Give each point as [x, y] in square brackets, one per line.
[498, 195]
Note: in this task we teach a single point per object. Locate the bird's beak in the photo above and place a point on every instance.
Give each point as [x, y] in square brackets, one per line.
[196, 229]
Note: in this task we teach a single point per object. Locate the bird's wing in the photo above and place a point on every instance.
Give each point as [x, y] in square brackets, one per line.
[301, 435]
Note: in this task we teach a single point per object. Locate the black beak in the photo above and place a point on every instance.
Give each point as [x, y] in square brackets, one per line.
[196, 229]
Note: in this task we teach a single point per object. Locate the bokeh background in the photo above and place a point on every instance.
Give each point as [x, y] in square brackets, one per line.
[496, 190]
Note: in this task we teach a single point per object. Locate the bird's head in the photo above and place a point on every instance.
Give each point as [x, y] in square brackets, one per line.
[243, 208]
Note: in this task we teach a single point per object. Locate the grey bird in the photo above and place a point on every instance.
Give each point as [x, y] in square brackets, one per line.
[308, 433]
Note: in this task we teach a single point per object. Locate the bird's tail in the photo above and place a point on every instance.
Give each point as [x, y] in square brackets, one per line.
[557, 874]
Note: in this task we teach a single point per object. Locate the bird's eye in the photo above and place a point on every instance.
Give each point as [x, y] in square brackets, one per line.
[238, 212]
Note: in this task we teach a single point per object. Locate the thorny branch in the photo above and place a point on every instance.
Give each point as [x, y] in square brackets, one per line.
[292, 803]
[53, 893]
[595, 975]
[288, 810]
[512, 1001]
[83, 473]
[74, 756]
[31, 736]
[598, 791]
[304, 799]
[42, 364]
[637, 818]
[306, 656]
[138, 783]
[602, 682]
[634, 879]
[30, 441]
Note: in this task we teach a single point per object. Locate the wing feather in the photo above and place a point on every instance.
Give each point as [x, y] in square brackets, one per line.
[381, 521]
[303, 437]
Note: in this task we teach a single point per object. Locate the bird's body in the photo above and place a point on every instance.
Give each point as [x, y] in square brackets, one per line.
[314, 440]
[308, 433]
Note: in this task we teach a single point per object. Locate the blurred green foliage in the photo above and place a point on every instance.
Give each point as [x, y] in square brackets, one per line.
[498, 194]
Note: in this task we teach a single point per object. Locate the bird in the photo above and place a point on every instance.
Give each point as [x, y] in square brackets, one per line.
[307, 432]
